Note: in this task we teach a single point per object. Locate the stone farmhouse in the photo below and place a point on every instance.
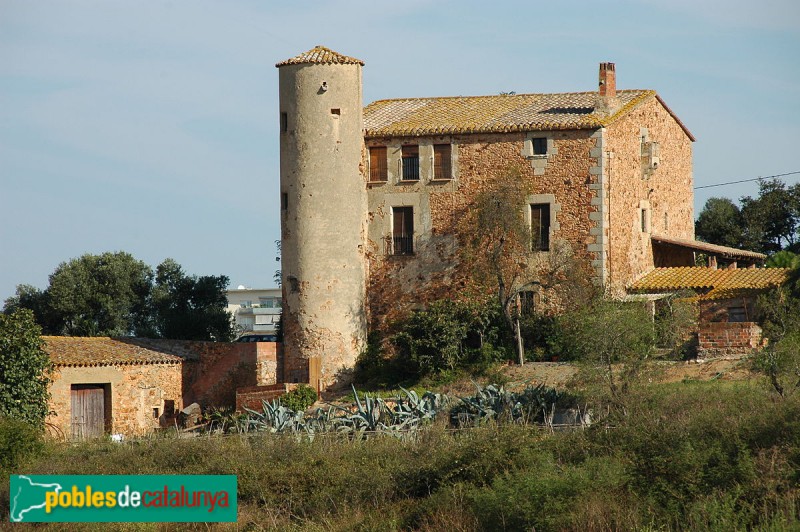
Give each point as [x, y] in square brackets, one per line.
[371, 197]
[132, 386]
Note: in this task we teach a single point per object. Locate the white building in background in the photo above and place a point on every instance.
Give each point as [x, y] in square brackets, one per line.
[255, 309]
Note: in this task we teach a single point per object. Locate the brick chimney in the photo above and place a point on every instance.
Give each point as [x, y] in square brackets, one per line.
[608, 80]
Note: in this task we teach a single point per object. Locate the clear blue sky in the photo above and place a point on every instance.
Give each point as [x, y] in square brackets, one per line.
[151, 126]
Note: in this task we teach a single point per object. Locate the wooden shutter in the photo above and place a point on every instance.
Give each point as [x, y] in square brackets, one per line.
[378, 168]
[441, 161]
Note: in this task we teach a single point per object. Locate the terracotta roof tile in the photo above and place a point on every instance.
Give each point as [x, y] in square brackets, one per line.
[494, 114]
[321, 56]
[102, 351]
[721, 284]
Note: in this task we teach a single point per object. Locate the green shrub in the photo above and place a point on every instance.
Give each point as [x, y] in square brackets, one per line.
[449, 335]
[19, 441]
[300, 398]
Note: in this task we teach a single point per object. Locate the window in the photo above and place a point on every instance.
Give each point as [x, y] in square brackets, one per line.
[644, 215]
[269, 302]
[540, 227]
[284, 201]
[527, 303]
[378, 170]
[737, 314]
[284, 122]
[441, 161]
[403, 231]
[410, 163]
[539, 146]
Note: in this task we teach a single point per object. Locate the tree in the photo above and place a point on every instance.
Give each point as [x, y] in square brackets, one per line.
[783, 259]
[779, 315]
[277, 275]
[447, 335]
[771, 222]
[113, 294]
[498, 245]
[38, 301]
[613, 338]
[25, 368]
[100, 295]
[190, 307]
[720, 222]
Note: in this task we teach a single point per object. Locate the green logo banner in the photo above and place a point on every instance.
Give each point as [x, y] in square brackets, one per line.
[123, 498]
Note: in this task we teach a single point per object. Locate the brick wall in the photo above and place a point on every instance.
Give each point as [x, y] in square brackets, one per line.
[252, 396]
[214, 370]
[726, 338]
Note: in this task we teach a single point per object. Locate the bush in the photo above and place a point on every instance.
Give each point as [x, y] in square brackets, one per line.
[449, 335]
[780, 362]
[25, 368]
[300, 398]
[19, 440]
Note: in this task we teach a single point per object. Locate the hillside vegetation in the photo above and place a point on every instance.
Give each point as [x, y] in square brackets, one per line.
[712, 455]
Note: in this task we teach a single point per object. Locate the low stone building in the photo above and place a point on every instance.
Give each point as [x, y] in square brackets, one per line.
[133, 386]
[726, 300]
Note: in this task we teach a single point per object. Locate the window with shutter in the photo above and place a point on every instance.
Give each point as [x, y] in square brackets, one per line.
[441, 161]
[378, 168]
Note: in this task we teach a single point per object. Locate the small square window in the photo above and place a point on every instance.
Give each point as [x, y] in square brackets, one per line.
[539, 146]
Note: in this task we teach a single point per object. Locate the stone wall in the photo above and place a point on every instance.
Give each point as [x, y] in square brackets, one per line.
[135, 391]
[399, 283]
[664, 192]
[323, 217]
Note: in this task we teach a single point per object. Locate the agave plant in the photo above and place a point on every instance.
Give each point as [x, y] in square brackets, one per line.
[494, 403]
[274, 418]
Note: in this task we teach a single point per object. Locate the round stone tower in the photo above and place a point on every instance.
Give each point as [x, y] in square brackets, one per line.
[323, 215]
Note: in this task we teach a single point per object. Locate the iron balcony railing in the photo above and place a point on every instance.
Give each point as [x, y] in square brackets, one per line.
[403, 245]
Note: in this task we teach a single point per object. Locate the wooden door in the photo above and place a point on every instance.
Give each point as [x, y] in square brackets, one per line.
[88, 411]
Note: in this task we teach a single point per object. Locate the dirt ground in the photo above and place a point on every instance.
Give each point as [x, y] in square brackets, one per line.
[563, 374]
